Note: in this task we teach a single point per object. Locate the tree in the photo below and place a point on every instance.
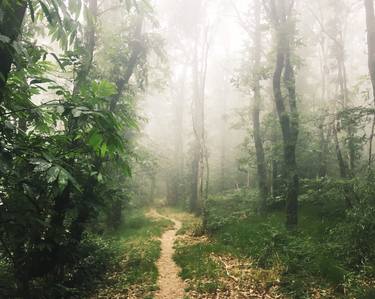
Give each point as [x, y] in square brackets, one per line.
[199, 72]
[370, 24]
[281, 14]
[254, 82]
[259, 150]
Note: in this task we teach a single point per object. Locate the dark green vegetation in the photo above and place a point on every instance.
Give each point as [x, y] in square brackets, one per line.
[120, 263]
[328, 255]
[66, 164]
[133, 271]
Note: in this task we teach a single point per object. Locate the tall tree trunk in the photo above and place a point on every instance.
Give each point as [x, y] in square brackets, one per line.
[290, 146]
[370, 23]
[200, 151]
[323, 137]
[223, 143]
[289, 119]
[259, 150]
[122, 85]
[178, 141]
[10, 26]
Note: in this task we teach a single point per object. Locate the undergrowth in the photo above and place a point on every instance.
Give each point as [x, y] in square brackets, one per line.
[315, 260]
[134, 271]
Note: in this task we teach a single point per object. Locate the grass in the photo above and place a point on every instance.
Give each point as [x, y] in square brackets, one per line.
[304, 264]
[135, 273]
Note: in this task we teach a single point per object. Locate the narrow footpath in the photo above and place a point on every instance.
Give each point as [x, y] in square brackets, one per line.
[170, 284]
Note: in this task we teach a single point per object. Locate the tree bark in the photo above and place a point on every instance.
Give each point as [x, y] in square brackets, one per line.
[198, 117]
[370, 24]
[10, 27]
[259, 150]
[289, 119]
[179, 100]
[123, 83]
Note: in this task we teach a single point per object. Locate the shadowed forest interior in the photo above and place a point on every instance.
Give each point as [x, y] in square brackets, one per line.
[187, 149]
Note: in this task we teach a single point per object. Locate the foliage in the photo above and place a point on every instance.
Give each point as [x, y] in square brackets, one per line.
[330, 252]
[135, 273]
[65, 156]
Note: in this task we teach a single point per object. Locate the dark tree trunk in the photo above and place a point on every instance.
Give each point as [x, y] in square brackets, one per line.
[281, 15]
[136, 52]
[324, 139]
[122, 86]
[223, 145]
[10, 26]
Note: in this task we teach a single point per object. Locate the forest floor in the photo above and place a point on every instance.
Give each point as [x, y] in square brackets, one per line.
[164, 254]
[138, 250]
[163, 258]
[211, 271]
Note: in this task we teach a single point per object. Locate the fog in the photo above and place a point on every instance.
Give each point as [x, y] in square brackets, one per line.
[225, 29]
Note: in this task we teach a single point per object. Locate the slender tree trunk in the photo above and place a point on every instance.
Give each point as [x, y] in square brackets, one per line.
[322, 152]
[324, 138]
[259, 150]
[200, 160]
[196, 195]
[370, 23]
[340, 159]
[223, 145]
[179, 142]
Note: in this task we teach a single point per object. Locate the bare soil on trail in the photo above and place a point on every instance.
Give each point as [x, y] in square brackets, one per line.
[171, 286]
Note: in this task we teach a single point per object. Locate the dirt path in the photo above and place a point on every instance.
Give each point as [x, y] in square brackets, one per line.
[170, 284]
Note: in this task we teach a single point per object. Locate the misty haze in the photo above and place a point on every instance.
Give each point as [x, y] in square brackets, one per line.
[176, 149]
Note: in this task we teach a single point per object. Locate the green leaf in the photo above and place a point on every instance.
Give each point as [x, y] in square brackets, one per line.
[103, 149]
[32, 12]
[63, 179]
[58, 61]
[46, 12]
[104, 89]
[57, 11]
[41, 165]
[53, 174]
[95, 140]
